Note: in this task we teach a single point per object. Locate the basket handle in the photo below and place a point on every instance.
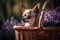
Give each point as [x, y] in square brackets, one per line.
[41, 18]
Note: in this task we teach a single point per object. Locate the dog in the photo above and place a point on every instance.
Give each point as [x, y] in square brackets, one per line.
[29, 16]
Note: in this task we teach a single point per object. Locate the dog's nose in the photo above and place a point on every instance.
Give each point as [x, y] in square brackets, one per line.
[23, 19]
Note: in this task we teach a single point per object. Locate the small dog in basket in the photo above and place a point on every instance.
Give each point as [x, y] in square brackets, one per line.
[29, 15]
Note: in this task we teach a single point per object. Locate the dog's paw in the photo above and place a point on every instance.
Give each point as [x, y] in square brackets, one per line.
[27, 25]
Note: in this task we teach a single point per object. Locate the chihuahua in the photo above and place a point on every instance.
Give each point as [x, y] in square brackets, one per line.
[29, 16]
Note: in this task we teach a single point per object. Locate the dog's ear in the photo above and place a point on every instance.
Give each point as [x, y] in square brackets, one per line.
[36, 8]
[22, 7]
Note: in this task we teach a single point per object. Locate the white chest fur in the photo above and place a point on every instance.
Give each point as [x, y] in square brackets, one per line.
[31, 22]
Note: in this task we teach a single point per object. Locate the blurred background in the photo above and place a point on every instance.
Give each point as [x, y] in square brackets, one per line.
[9, 8]
[10, 14]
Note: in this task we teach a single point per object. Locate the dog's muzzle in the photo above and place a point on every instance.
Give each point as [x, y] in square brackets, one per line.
[23, 19]
[26, 19]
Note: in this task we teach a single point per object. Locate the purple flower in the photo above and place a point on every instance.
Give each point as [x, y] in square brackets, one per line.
[52, 17]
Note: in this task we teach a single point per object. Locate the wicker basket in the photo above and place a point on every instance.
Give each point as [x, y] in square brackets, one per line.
[39, 33]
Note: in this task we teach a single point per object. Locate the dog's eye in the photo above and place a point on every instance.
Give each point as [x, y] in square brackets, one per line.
[25, 15]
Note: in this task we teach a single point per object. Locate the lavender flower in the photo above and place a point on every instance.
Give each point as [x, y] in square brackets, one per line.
[52, 17]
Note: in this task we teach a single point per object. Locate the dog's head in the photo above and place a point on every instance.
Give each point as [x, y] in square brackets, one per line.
[29, 13]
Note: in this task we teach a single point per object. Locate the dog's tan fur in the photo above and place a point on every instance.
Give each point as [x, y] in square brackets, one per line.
[26, 11]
